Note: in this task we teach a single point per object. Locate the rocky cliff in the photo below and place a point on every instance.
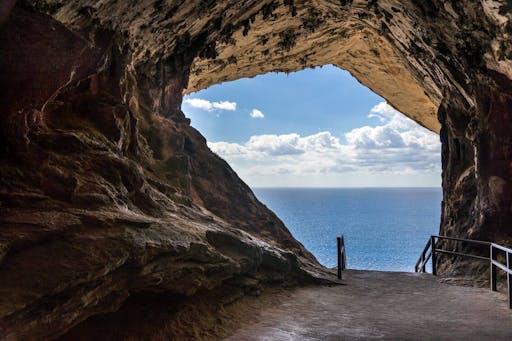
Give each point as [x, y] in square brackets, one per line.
[112, 203]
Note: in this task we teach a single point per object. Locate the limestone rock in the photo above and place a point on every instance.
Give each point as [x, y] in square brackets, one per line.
[108, 197]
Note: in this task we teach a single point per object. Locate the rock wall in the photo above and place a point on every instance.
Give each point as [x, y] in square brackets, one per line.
[106, 192]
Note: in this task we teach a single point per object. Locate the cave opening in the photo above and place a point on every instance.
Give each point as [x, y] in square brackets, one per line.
[106, 190]
[328, 156]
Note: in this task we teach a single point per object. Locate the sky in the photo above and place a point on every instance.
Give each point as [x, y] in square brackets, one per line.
[313, 128]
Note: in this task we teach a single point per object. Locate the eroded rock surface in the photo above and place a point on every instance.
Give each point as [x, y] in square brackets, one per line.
[107, 192]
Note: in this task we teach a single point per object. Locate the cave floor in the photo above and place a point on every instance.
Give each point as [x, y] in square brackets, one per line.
[384, 306]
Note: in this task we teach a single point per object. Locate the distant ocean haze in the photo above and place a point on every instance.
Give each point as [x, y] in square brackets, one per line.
[384, 228]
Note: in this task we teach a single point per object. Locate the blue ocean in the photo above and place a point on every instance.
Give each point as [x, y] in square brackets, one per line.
[384, 228]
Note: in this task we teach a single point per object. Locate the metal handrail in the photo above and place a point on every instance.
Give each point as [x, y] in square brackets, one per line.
[433, 250]
[461, 254]
[463, 240]
[342, 254]
[422, 261]
[507, 268]
[501, 247]
[432, 247]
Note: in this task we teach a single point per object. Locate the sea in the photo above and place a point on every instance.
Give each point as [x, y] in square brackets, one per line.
[384, 228]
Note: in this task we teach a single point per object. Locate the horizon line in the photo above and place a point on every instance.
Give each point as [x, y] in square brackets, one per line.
[341, 187]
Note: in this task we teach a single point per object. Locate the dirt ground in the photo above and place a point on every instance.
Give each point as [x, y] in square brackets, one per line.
[383, 306]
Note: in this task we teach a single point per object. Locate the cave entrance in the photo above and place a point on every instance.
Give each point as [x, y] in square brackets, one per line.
[329, 156]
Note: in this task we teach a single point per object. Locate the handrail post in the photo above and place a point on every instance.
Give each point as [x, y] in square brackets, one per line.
[493, 269]
[434, 257]
[509, 279]
[338, 242]
[423, 262]
[344, 256]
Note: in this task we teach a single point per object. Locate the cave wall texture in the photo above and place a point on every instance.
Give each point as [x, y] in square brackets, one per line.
[107, 192]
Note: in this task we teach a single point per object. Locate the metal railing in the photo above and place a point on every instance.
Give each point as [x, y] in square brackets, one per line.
[432, 249]
[342, 255]
[507, 268]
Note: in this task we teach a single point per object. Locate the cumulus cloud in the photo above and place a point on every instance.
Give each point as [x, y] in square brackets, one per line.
[396, 145]
[275, 144]
[206, 105]
[255, 113]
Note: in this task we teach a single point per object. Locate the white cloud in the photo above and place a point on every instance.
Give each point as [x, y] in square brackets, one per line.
[255, 113]
[275, 144]
[225, 105]
[206, 105]
[396, 146]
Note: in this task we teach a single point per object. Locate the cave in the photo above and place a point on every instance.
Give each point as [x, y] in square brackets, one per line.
[107, 194]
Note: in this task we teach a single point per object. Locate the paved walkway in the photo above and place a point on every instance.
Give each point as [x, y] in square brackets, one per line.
[383, 306]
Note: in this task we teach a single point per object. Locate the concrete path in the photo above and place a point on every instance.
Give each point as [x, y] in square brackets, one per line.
[383, 306]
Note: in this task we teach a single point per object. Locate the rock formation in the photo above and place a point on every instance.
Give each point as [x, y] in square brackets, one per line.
[107, 192]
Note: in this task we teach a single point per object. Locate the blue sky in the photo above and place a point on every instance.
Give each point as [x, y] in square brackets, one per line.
[314, 128]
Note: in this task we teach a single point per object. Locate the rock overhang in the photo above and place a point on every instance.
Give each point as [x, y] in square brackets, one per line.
[113, 152]
[229, 40]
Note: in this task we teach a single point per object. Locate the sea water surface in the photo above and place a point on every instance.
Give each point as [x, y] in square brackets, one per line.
[384, 228]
